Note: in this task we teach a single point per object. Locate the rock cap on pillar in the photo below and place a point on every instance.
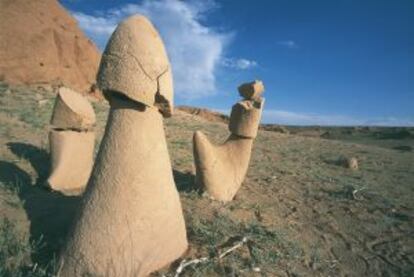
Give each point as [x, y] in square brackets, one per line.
[135, 64]
[252, 90]
[72, 111]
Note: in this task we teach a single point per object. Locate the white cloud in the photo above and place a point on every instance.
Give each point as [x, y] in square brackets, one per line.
[288, 44]
[273, 116]
[238, 63]
[195, 50]
[98, 28]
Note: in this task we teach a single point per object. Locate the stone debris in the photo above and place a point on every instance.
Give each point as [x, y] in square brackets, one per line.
[252, 90]
[131, 221]
[221, 169]
[72, 142]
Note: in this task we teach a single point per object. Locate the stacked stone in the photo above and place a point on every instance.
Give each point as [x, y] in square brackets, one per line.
[72, 142]
[221, 169]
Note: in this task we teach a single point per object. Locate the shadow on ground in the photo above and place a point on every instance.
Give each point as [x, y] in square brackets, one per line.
[50, 213]
[184, 181]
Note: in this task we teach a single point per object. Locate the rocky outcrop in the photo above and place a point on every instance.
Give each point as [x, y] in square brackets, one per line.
[221, 169]
[131, 221]
[40, 43]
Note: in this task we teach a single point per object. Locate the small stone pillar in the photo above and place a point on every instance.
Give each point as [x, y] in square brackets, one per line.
[221, 169]
[72, 142]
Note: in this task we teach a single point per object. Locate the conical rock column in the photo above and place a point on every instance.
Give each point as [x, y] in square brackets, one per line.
[72, 142]
[130, 222]
[221, 169]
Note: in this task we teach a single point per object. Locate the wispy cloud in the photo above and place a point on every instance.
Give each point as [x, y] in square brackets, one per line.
[195, 50]
[282, 117]
[238, 63]
[295, 118]
[288, 44]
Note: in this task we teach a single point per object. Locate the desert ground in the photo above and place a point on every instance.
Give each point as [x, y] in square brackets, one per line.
[301, 211]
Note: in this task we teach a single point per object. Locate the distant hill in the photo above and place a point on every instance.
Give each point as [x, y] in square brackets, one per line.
[41, 43]
[205, 113]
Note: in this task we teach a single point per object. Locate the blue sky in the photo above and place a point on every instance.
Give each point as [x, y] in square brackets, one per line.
[339, 62]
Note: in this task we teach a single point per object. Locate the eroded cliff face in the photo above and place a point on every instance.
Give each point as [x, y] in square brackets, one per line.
[41, 43]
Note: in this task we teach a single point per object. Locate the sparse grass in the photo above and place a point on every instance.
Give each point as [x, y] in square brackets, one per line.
[14, 251]
[263, 250]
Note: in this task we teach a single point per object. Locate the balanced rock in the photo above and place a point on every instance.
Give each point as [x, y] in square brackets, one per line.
[131, 221]
[72, 142]
[252, 90]
[221, 169]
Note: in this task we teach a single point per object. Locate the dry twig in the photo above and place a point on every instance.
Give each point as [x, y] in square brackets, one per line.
[185, 263]
[355, 191]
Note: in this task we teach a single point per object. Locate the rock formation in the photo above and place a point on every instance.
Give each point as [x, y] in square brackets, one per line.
[130, 222]
[220, 169]
[71, 142]
[40, 43]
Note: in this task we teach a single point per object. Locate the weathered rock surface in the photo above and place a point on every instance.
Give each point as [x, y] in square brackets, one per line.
[41, 43]
[135, 63]
[252, 90]
[71, 160]
[131, 221]
[245, 118]
[220, 169]
[72, 111]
